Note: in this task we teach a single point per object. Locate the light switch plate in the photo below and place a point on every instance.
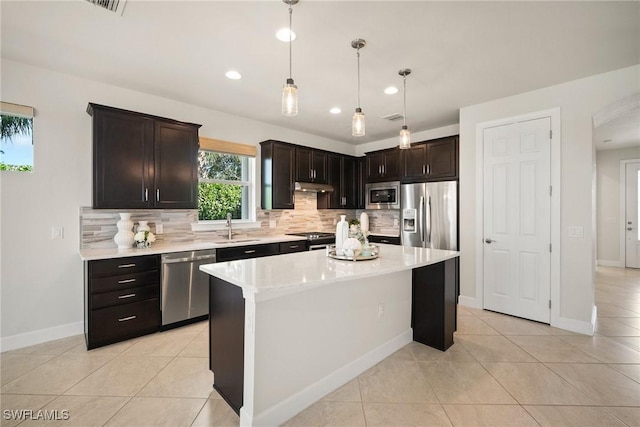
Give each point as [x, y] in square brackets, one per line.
[576, 231]
[57, 232]
[159, 228]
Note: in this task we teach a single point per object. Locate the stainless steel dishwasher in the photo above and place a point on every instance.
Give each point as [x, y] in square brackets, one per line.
[185, 289]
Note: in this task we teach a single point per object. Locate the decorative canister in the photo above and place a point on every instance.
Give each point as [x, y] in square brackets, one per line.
[124, 236]
[342, 234]
[143, 226]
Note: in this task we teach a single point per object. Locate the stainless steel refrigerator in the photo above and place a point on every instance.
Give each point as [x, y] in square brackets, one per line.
[429, 215]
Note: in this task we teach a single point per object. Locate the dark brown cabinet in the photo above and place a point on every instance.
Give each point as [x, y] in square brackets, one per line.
[291, 247]
[246, 252]
[390, 240]
[142, 161]
[121, 299]
[432, 160]
[278, 171]
[311, 165]
[383, 165]
[343, 177]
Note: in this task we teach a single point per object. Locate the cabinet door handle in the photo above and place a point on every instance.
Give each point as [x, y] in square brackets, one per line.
[124, 319]
[384, 169]
[428, 169]
[126, 296]
[157, 195]
[424, 169]
[126, 281]
[293, 246]
[126, 265]
[146, 194]
[250, 252]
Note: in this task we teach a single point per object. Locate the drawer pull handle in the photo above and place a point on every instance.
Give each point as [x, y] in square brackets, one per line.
[293, 246]
[126, 265]
[126, 281]
[126, 296]
[124, 319]
[250, 252]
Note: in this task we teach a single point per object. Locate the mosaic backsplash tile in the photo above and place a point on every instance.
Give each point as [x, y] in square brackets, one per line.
[98, 226]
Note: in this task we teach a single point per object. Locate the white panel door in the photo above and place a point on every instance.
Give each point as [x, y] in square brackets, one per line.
[517, 219]
[632, 232]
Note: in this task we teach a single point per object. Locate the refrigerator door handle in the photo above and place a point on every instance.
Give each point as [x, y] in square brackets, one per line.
[429, 219]
[421, 218]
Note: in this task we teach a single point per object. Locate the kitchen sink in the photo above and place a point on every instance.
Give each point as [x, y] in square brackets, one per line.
[222, 241]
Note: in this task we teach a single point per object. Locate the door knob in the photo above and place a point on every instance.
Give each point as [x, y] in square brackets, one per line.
[629, 228]
[489, 241]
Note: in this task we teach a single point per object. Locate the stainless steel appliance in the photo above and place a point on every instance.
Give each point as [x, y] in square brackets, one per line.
[382, 195]
[185, 289]
[429, 215]
[317, 240]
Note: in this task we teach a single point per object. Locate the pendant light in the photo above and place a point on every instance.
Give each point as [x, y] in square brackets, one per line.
[290, 90]
[405, 135]
[357, 123]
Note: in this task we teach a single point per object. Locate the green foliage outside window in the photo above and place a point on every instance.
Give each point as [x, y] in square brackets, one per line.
[10, 128]
[216, 199]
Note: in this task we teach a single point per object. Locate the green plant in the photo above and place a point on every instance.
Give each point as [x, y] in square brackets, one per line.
[216, 200]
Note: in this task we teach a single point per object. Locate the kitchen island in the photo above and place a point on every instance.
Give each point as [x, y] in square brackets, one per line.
[287, 330]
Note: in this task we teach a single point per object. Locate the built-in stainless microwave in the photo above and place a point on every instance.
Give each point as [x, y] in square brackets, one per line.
[382, 195]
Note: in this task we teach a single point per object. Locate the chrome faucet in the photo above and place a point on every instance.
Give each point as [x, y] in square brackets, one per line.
[229, 224]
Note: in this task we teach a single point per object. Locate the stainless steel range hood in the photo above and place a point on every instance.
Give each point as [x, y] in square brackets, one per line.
[312, 187]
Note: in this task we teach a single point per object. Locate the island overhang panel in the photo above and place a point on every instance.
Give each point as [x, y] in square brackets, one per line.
[309, 324]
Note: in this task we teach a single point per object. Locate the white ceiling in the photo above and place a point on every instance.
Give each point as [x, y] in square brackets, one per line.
[461, 53]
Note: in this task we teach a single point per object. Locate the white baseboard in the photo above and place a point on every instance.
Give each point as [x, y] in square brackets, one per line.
[609, 263]
[40, 336]
[286, 409]
[469, 302]
[578, 326]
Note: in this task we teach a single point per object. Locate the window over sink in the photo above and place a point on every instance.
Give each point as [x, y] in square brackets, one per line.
[226, 184]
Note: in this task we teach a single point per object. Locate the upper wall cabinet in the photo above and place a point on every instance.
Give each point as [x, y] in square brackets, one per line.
[383, 165]
[433, 160]
[343, 177]
[311, 165]
[142, 161]
[278, 172]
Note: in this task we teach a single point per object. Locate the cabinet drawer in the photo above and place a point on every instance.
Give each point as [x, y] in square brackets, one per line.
[123, 265]
[124, 281]
[289, 247]
[124, 321]
[124, 296]
[384, 239]
[244, 252]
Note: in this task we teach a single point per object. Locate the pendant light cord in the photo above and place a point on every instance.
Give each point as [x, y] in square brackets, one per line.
[404, 93]
[290, 38]
[358, 55]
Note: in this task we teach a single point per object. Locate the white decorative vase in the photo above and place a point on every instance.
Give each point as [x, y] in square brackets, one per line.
[342, 234]
[364, 223]
[124, 236]
[143, 226]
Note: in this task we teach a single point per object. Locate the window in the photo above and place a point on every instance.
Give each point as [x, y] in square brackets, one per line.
[16, 137]
[226, 185]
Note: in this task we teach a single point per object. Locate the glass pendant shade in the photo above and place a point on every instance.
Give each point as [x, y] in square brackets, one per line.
[357, 123]
[405, 138]
[290, 99]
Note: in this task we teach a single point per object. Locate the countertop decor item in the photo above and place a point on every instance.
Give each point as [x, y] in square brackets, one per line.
[143, 226]
[124, 236]
[363, 254]
[144, 239]
[342, 233]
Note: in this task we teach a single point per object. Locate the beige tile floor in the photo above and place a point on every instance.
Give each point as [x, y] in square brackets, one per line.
[502, 371]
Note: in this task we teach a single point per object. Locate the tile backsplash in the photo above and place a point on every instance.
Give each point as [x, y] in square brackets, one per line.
[98, 226]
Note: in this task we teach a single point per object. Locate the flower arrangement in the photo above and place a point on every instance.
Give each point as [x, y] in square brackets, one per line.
[356, 232]
[144, 239]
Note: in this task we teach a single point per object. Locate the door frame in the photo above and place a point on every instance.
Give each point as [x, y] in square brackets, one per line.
[623, 210]
[556, 141]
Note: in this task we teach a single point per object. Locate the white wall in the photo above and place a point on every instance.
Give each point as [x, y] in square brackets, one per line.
[578, 101]
[610, 230]
[41, 279]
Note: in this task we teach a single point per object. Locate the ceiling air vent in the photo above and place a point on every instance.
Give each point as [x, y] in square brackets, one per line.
[392, 117]
[116, 6]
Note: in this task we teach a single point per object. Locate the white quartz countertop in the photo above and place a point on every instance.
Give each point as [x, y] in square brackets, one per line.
[290, 273]
[163, 248]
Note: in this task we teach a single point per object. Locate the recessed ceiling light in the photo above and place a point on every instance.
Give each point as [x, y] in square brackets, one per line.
[283, 35]
[335, 110]
[233, 75]
[391, 90]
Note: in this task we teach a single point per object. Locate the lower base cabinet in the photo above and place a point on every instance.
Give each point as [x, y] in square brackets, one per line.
[433, 304]
[121, 299]
[226, 340]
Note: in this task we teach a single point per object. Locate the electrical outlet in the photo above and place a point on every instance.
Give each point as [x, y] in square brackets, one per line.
[576, 231]
[57, 232]
[272, 223]
[395, 222]
[159, 228]
[380, 310]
